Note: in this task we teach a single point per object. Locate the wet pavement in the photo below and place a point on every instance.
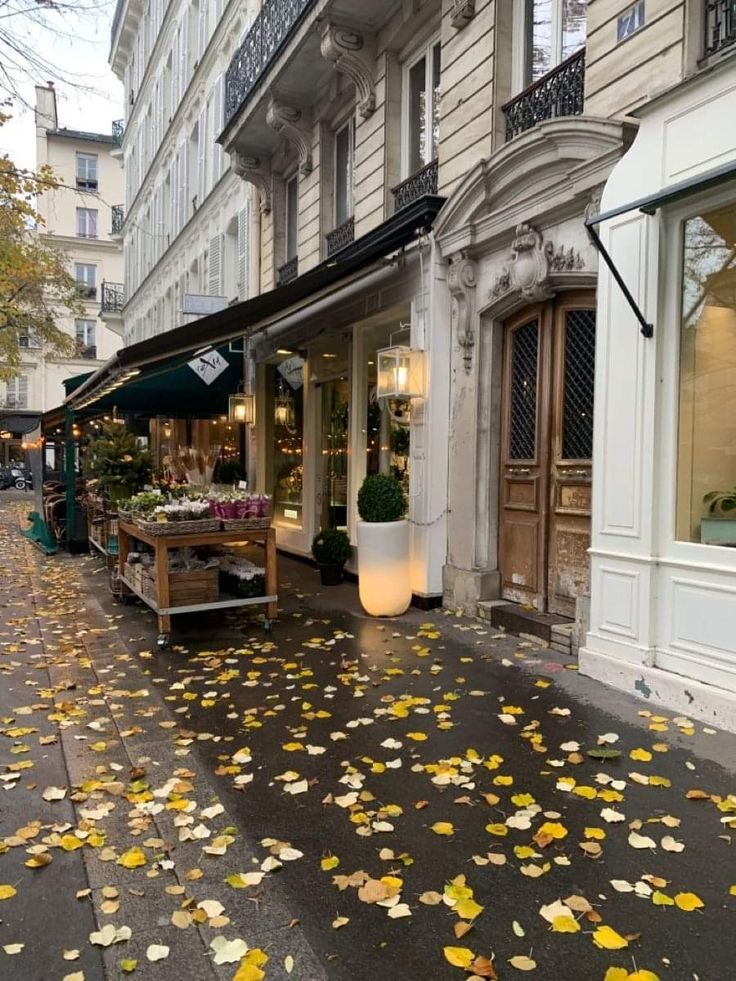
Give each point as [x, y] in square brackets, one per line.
[411, 799]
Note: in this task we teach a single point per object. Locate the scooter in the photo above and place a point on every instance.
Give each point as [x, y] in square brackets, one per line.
[16, 476]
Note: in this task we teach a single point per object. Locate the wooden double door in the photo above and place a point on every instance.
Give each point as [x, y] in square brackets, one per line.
[546, 453]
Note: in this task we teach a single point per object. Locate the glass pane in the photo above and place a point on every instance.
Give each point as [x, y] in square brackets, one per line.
[287, 386]
[577, 406]
[542, 58]
[573, 26]
[436, 71]
[388, 421]
[523, 396]
[418, 116]
[343, 176]
[292, 217]
[706, 466]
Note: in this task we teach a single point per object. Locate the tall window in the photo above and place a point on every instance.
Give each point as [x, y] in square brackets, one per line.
[554, 30]
[16, 392]
[84, 332]
[292, 217]
[344, 156]
[87, 222]
[87, 171]
[86, 277]
[706, 464]
[422, 110]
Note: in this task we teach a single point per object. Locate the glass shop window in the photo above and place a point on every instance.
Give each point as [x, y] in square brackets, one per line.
[287, 390]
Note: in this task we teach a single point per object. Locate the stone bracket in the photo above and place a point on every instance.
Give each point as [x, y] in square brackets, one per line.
[289, 123]
[351, 55]
[461, 283]
[463, 11]
[255, 172]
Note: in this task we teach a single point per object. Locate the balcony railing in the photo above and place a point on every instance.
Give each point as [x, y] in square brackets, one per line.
[269, 32]
[341, 236]
[289, 271]
[118, 219]
[113, 297]
[118, 131]
[417, 186]
[720, 26]
[560, 92]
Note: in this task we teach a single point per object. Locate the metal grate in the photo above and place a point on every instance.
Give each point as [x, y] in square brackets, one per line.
[560, 92]
[523, 407]
[577, 418]
[425, 181]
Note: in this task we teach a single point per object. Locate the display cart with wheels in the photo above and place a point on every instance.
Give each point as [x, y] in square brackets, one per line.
[162, 544]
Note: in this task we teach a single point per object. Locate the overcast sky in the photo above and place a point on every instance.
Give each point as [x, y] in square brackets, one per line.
[80, 50]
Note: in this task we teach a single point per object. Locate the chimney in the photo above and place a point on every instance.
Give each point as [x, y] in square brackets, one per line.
[45, 108]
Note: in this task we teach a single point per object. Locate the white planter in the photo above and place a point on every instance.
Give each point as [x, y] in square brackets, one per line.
[384, 578]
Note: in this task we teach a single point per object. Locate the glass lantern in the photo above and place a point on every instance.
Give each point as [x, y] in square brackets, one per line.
[400, 373]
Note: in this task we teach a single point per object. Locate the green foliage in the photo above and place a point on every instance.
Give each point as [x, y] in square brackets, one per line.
[331, 547]
[381, 498]
[115, 460]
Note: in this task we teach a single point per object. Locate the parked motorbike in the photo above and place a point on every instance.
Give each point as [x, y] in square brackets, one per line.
[16, 476]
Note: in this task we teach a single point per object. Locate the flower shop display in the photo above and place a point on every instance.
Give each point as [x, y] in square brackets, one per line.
[193, 578]
[239, 510]
[116, 462]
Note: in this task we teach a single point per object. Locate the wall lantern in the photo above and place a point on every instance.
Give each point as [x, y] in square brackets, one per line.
[242, 408]
[5, 434]
[284, 410]
[400, 373]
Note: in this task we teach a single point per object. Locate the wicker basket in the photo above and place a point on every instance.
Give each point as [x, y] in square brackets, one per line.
[127, 516]
[179, 527]
[246, 524]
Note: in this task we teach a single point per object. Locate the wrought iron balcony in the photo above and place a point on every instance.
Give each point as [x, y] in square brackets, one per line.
[417, 186]
[118, 219]
[560, 92]
[720, 26]
[113, 297]
[118, 131]
[289, 271]
[276, 21]
[341, 236]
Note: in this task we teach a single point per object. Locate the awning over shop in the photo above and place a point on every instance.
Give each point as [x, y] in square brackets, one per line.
[19, 423]
[135, 366]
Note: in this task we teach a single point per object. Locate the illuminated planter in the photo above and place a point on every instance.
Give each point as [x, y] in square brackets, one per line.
[384, 580]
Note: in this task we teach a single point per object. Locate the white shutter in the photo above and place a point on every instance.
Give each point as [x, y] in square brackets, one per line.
[184, 185]
[217, 127]
[202, 156]
[202, 40]
[243, 252]
[214, 286]
[185, 53]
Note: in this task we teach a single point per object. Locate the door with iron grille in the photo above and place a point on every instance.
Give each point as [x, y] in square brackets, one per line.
[546, 454]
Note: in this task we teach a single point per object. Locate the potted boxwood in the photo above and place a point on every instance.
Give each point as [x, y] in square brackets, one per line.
[331, 548]
[384, 580]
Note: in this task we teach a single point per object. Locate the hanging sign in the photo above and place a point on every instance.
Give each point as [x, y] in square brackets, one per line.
[209, 366]
[202, 305]
[292, 371]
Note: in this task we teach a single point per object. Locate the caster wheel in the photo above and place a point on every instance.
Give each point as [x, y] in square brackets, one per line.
[268, 626]
[163, 642]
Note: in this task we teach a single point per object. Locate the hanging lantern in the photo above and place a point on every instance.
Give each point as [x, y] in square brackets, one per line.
[400, 373]
[284, 411]
[242, 408]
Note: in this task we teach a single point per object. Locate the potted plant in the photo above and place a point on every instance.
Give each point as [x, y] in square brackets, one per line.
[115, 460]
[383, 547]
[719, 524]
[331, 549]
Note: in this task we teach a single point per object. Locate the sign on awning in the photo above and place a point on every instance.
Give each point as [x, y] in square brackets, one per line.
[209, 366]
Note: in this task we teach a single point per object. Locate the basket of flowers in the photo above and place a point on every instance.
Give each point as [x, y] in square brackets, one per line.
[179, 518]
[242, 512]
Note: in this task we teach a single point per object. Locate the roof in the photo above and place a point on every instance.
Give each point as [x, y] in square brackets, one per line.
[77, 134]
[247, 317]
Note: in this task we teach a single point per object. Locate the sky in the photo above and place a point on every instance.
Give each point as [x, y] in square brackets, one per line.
[79, 49]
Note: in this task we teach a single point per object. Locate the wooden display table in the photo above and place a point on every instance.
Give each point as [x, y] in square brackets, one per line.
[161, 545]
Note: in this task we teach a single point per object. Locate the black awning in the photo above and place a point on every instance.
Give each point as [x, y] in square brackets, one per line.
[236, 320]
[649, 206]
[19, 423]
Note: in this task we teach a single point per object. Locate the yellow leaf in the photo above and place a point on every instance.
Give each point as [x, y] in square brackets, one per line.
[642, 755]
[7, 892]
[329, 862]
[502, 781]
[607, 938]
[128, 965]
[132, 859]
[497, 829]
[644, 976]
[553, 829]
[292, 747]
[662, 899]
[522, 800]
[616, 974]
[688, 901]
[597, 833]
[468, 909]
[524, 851]
[459, 956]
[418, 737]
[565, 924]
[732, 891]
[70, 843]
[443, 828]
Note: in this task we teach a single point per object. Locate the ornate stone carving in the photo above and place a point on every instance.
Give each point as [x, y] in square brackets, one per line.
[463, 11]
[530, 262]
[289, 123]
[566, 260]
[252, 170]
[351, 55]
[461, 283]
[502, 284]
[593, 207]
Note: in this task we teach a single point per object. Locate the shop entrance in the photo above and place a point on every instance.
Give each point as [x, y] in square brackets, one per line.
[330, 374]
[546, 453]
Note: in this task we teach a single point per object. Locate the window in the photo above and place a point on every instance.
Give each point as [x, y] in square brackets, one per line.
[87, 222]
[706, 459]
[16, 392]
[422, 110]
[344, 155]
[286, 390]
[86, 277]
[87, 171]
[553, 30]
[84, 332]
[292, 217]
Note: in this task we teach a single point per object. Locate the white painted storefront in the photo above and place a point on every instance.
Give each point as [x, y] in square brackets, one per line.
[663, 596]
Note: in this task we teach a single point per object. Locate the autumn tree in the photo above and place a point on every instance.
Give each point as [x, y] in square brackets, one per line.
[36, 287]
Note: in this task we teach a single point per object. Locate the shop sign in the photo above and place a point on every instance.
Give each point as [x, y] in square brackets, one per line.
[201, 305]
[209, 366]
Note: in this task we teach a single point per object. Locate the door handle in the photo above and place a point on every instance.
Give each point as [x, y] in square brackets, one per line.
[517, 471]
[573, 472]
